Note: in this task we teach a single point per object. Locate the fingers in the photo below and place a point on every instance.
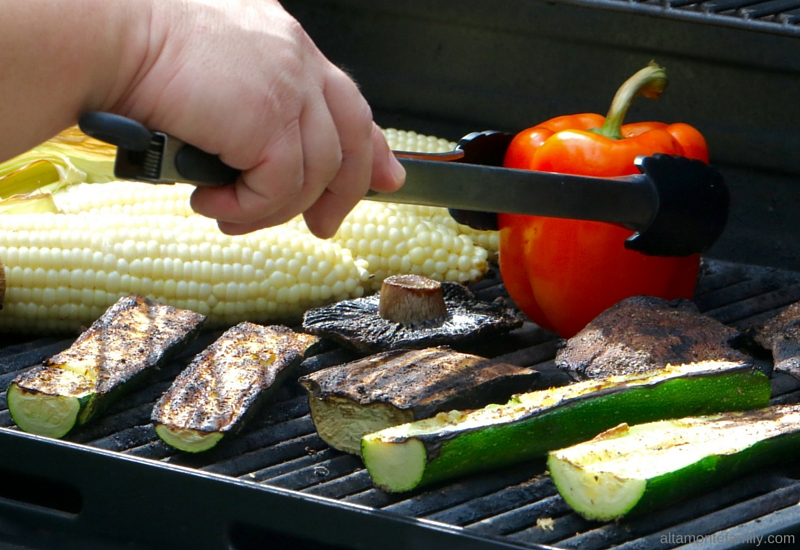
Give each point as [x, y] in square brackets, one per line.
[342, 152]
[387, 173]
[265, 188]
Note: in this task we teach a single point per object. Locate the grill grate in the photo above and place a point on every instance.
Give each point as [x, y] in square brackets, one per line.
[281, 449]
[772, 16]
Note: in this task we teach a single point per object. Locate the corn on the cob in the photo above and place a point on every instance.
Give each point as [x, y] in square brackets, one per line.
[402, 140]
[64, 269]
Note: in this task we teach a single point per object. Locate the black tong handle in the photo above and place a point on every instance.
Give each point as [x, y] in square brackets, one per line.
[153, 156]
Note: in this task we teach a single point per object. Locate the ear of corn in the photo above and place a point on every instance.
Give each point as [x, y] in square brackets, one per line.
[97, 242]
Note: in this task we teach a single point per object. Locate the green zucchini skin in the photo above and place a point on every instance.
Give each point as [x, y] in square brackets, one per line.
[708, 472]
[122, 348]
[454, 453]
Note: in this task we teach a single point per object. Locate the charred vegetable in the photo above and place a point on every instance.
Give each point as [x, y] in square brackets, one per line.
[130, 339]
[781, 334]
[645, 333]
[453, 444]
[635, 469]
[225, 383]
[395, 387]
[360, 325]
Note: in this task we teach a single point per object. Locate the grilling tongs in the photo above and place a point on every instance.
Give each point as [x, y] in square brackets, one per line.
[677, 206]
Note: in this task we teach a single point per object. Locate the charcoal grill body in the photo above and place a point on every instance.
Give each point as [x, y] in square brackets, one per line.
[449, 68]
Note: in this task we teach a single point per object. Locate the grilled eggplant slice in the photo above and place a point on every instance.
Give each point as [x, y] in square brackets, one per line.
[358, 323]
[451, 444]
[645, 333]
[628, 470]
[128, 341]
[781, 334]
[226, 383]
[395, 387]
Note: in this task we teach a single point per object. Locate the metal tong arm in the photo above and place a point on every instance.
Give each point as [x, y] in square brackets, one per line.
[677, 206]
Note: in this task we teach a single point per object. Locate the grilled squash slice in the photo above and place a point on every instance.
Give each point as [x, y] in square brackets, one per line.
[225, 383]
[129, 340]
[531, 424]
[628, 470]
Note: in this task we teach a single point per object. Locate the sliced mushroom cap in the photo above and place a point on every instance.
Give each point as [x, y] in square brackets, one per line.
[358, 323]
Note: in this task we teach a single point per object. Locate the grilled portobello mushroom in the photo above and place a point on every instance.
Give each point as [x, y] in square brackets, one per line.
[133, 337]
[225, 384]
[407, 313]
[399, 386]
[645, 333]
[781, 335]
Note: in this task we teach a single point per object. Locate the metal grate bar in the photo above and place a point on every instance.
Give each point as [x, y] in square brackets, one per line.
[768, 8]
[791, 17]
[723, 13]
[155, 450]
[562, 528]
[466, 489]
[317, 473]
[343, 486]
[480, 512]
[16, 358]
[737, 313]
[125, 439]
[717, 6]
[269, 456]
[267, 474]
[525, 517]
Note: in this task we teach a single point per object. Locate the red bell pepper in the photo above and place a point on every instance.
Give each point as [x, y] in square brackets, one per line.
[562, 273]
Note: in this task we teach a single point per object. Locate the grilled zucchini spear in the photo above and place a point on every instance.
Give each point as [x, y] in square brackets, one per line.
[452, 444]
[226, 382]
[636, 469]
[395, 387]
[130, 339]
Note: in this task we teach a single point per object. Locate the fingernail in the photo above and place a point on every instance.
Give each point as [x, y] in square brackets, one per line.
[398, 172]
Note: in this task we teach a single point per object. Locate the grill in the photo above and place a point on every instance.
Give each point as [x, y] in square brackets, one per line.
[449, 68]
[279, 481]
[773, 16]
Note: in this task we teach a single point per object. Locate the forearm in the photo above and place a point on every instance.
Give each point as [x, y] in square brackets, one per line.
[237, 78]
[61, 58]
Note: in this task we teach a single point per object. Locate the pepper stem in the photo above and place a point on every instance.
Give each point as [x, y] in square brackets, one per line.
[649, 82]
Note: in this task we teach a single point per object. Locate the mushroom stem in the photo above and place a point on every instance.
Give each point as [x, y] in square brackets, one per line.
[411, 299]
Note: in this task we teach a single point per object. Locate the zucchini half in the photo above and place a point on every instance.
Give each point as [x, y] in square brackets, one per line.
[131, 339]
[225, 383]
[451, 444]
[636, 469]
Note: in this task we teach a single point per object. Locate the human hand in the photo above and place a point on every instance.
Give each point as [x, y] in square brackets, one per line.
[241, 79]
